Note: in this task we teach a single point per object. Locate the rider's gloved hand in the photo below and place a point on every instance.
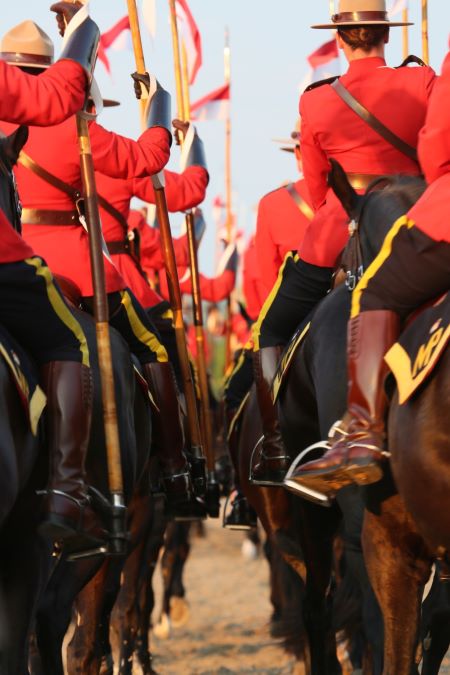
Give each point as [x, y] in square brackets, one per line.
[181, 129]
[65, 11]
[139, 79]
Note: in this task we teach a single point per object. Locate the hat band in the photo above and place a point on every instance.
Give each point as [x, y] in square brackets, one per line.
[35, 59]
[356, 17]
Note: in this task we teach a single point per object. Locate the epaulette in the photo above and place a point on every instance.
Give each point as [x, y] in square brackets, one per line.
[412, 59]
[328, 80]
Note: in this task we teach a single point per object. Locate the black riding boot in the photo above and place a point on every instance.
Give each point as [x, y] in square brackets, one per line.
[69, 516]
[242, 516]
[273, 461]
[168, 440]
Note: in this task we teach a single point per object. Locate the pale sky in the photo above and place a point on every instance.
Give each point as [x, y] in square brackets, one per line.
[269, 45]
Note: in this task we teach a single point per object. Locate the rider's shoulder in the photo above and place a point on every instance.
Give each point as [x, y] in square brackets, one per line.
[320, 83]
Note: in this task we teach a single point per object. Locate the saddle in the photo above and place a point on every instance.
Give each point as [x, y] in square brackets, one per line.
[419, 348]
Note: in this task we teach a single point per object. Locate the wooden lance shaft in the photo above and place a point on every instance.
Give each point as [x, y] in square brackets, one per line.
[405, 31]
[425, 41]
[228, 190]
[101, 315]
[169, 260]
[205, 418]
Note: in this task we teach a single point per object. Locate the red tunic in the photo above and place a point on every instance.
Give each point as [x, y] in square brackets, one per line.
[65, 248]
[280, 228]
[399, 98]
[28, 99]
[213, 289]
[430, 212]
[183, 191]
[252, 286]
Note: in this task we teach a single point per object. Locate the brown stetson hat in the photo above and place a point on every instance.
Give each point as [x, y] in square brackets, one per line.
[27, 45]
[289, 144]
[353, 13]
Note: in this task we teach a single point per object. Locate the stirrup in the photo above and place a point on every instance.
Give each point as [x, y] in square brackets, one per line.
[261, 482]
[301, 490]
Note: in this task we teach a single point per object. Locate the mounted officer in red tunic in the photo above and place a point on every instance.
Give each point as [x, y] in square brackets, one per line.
[49, 181]
[335, 125]
[32, 307]
[412, 268]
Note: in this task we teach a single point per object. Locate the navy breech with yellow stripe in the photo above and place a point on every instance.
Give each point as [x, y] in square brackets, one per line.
[34, 311]
[297, 290]
[240, 380]
[132, 321]
[410, 270]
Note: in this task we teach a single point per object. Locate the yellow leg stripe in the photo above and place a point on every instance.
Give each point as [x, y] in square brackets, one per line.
[237, 367]
[256, 330]
[60, 306]
[141, 332]
[381, 258]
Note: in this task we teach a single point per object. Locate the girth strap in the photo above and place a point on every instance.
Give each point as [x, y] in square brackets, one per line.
[373, 122]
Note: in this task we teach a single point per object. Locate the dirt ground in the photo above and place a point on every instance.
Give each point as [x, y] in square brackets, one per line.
[227, 631]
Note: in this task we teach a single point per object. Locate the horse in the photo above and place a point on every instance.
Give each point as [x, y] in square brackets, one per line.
[406, 523]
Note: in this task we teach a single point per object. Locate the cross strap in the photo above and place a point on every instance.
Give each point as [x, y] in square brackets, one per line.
[303, 206]
[373, 122]
[29, 163]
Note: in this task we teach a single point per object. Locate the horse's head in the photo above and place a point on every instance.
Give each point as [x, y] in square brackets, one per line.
[373, 213]
[10, 147]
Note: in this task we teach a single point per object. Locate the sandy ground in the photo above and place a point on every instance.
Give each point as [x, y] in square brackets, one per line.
[227, 631]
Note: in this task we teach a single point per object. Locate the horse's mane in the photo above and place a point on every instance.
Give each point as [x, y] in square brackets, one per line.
[386, 199]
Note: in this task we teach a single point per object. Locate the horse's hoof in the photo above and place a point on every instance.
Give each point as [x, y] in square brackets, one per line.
[162, 629]
[179, 612]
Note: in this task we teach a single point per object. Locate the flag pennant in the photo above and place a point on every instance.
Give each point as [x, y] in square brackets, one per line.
[213, 106]
[323, 63]
[191, 37]
[397, 7]
[149, 16]
[109, 38]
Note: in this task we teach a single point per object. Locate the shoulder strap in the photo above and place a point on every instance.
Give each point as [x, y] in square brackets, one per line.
[320, 83]
[303, 206]
[412, 59]
[373, 122]
[50, 178]
[73, 193]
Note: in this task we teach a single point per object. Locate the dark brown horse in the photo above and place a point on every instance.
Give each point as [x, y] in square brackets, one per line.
[403, 532]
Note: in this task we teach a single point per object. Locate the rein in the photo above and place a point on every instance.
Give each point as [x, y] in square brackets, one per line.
[352, 256]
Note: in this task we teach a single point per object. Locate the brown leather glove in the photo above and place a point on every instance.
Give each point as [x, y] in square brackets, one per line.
[181, 129]
[65, 11]
[139, 78]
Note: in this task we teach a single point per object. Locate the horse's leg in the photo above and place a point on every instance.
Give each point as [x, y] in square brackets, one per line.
[125, 617]
[399, 566]
[84, 653]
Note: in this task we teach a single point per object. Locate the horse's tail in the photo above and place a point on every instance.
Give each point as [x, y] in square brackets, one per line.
[287, 591]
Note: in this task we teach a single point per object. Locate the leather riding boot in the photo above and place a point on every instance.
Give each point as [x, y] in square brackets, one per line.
[358, 447]
[273, 460]
[168, 440]
[69, 516]
[241, 516]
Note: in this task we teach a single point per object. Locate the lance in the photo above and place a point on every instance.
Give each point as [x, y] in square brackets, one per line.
[117, 544]
[228, 191]
[405, 31]
[184, 108]
[197, 459]
[425, 41]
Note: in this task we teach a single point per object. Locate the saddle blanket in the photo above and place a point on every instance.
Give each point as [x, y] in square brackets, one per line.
[25, 379]
[420, 347]
[286, 360]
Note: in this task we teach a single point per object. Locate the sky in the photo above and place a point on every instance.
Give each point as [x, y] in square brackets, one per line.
[269, 45]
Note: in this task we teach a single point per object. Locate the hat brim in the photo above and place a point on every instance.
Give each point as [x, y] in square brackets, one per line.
[355, 24]
[110, 103]
[24, 64]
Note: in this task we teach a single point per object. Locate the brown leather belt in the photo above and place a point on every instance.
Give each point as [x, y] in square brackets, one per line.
[117, 247]
[49, 217]
[361, 181]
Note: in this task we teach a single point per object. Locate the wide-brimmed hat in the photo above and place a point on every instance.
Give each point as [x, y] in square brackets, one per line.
[353, 13]
[27, 45]
[289, 144]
